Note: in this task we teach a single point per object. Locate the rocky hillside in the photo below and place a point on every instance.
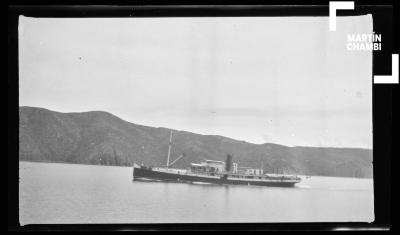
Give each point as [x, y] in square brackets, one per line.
[101, 138]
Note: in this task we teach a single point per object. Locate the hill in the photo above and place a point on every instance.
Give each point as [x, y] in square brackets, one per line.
[99, 137]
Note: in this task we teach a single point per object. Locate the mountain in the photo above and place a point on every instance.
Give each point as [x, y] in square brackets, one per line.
[99, 137]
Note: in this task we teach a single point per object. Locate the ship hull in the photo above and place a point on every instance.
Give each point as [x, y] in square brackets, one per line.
[146, 174]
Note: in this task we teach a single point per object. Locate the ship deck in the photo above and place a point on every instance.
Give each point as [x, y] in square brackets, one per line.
[229, 178]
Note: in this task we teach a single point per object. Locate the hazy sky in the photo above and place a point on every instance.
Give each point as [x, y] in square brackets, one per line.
[282, 80]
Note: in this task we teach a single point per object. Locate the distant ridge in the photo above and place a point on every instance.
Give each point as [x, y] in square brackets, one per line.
[99, 137]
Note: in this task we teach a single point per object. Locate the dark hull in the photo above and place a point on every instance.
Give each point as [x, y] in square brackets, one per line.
[148, 174]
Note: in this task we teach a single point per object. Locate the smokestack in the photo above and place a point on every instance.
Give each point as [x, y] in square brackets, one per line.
[228, 163]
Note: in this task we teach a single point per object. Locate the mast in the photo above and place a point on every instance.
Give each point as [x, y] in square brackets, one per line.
[169, 148]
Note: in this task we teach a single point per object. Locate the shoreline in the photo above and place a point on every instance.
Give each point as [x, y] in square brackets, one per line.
[83, 164]
[72, 163]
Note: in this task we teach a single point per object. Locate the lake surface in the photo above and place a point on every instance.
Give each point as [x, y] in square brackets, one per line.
[72, 193]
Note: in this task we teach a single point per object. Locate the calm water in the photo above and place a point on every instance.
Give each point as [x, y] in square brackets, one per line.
[69, 193]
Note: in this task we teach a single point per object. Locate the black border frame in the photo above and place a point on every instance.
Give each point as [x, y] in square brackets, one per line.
[383, 98]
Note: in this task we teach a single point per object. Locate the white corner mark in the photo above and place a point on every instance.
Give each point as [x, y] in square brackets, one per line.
[390, 79]
[333, 6]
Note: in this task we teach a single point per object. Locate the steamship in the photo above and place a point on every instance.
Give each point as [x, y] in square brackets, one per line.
[212, 172]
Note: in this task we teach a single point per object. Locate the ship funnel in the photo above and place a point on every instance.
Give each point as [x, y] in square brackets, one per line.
[228, 163]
